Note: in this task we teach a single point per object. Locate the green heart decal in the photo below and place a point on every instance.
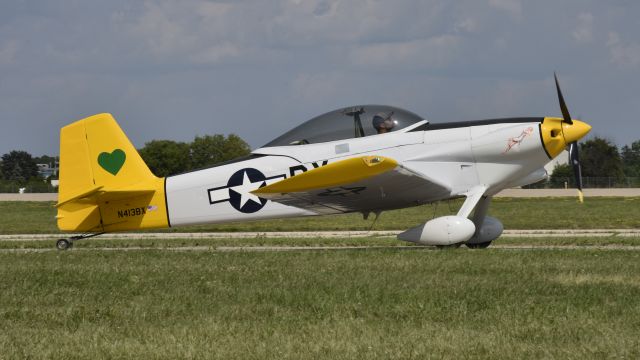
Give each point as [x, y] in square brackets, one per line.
[112, 162]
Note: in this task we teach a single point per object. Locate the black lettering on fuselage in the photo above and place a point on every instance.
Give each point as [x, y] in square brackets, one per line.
[132, 212]
[323, 163]
[299, 169]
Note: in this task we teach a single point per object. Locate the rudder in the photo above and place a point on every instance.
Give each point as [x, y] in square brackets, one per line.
[104, 183]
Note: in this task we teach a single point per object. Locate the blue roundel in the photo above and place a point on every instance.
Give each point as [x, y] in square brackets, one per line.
[240, 184]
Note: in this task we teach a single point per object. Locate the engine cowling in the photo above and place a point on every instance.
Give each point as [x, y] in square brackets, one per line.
[534, 177]
[490, 230]
[445, 230]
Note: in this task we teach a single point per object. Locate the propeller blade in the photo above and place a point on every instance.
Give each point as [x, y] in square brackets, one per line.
[574, 158]
[563, 106]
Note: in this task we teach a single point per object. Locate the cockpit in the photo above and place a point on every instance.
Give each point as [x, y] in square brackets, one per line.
[348, 123]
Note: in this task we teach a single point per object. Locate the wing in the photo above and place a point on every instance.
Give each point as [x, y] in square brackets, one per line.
[356, 184]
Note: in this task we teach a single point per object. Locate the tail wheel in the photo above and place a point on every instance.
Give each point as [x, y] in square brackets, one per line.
[63, 244]
[483, 245]
[66, 244]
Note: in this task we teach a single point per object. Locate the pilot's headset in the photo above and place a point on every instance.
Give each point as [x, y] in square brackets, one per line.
[383, 122]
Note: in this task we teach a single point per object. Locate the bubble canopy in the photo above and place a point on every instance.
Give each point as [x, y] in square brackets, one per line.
[348, 123]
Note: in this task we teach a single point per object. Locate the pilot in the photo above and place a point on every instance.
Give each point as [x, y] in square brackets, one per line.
[383, 122]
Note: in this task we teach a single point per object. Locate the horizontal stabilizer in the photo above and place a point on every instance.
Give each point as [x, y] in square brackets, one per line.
[100, 194]
[81, 195]
[113, 195]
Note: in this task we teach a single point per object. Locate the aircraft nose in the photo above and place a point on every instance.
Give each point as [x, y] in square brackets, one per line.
[576, 131]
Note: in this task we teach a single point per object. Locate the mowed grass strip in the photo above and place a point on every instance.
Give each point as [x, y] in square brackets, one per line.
[101, 243]
[390, 241]
[331, 304]
[515, 213]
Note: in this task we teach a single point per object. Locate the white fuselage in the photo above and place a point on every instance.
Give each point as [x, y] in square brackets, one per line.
[495, 156]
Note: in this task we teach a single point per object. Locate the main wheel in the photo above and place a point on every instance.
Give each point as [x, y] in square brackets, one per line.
[483, 245]
[63, 244]
[452, 246]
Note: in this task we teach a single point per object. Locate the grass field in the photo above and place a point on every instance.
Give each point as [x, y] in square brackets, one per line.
[515, 213]
[389, 241]
[348, 304]
[396, 301]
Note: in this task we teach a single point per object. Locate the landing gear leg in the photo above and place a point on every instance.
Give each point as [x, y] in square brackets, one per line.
[66, 244]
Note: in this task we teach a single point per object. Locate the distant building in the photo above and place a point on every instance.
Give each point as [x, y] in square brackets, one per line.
[46, 170]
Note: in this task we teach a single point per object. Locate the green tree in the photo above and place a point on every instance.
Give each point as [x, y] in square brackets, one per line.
[631, 159]
[166, 157]
[18, 166]
[235, 147]
[562, 173]
[600, 158]
[209, 150]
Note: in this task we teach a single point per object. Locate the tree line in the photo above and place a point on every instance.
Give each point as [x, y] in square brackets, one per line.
[167, 157]
[603, 165]
[18, 169]
[599, 159]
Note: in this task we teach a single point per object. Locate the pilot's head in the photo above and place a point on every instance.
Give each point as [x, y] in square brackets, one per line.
[383, 122]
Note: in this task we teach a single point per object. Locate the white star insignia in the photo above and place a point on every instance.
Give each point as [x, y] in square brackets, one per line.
[245, 189]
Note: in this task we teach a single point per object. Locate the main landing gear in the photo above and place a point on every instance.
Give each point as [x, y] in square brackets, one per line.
[452, 246]
[483, 245]
[66, 244]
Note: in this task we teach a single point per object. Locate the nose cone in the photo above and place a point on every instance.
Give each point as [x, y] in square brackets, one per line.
[576, 131]
[557, 134]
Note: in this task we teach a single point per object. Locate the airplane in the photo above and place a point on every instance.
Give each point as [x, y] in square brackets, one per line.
[365, 159]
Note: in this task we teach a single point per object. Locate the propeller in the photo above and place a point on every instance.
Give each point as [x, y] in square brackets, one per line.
[574, 157]
[563, 105]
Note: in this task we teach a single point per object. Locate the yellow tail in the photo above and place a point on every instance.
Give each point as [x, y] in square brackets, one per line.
[104, 183]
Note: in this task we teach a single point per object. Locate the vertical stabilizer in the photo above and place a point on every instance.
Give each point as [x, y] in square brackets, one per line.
[104, 183]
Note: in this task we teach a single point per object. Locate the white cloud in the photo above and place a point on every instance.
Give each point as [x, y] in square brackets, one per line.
[506, 97]
[583, 33]
[205, 31]
[161, 32]
[435, 52]
[201, 31]
[465, 25]
[318, 86]
[333, 22]
[216, 53]
[623, 54]
[450, 59]
[513, 7]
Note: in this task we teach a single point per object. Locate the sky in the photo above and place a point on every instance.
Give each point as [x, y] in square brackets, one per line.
[184, 68]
